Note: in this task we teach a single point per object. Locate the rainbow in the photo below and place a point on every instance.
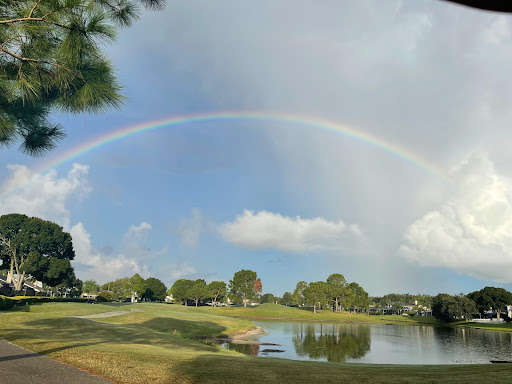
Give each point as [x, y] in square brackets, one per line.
[169, 122]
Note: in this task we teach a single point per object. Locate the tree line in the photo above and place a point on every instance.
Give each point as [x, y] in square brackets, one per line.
[450, 308]
[244, 286]
[151, 289]
[334, 293]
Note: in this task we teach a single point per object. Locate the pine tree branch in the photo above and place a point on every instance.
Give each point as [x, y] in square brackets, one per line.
[41, 19]
[33, 8]
[28, 59]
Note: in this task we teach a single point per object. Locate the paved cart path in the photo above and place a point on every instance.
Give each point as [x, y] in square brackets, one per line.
[107, 314]
[21, 366]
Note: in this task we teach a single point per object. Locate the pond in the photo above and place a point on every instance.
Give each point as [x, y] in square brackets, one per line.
[378, 343]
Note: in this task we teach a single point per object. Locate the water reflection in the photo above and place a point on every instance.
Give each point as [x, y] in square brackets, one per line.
[248, 349]
[379, 343]
[331, 342]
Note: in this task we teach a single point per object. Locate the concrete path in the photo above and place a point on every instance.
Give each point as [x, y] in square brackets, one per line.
[107, 314]
[21, 366]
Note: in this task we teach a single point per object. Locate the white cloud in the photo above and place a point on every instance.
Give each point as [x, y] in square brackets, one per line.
[472, 232]
[43, 195]
[134, 242]
[270, 230]
[47, 196]
[189, 229]
[498, 32]
[93, 265]
[177, 270]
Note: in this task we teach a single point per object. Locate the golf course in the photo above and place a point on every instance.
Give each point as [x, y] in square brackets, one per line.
[159, 343]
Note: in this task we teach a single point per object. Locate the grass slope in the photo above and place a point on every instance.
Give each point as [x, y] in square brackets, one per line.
[161, 345]
[280, 312]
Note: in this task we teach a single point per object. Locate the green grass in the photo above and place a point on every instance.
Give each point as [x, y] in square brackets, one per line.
[280, 312]
[505, 327]
[163, 345]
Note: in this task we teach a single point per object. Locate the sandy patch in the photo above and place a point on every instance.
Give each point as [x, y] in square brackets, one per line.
[243, 338]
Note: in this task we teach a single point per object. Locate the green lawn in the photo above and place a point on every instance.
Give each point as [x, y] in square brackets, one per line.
[163, 345]
[505, 327]
[280, 312]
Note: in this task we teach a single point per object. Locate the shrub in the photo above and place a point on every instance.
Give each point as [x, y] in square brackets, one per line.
[6, 303]
[10, 302]
[104, 296]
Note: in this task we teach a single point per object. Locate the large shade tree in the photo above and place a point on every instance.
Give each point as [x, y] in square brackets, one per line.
[244, 285]
[136, 285]
[51, 58]
[118, 288]
[448, 308]
[91, 287]
[337, 287]
[491, 298]
[180, 289]
[155, 289]
[29, 245]
[198, 291]
[298, 293]
[217, 291]
[317, 294]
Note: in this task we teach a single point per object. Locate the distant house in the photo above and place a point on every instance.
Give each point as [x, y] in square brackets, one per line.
[6, 289]
[88, 296]
[28, 289]
[169, 299]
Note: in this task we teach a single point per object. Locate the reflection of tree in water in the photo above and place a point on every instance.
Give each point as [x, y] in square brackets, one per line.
[248, 349]
[331, 341]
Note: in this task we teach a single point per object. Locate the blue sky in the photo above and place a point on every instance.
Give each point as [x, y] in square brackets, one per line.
[293, 202]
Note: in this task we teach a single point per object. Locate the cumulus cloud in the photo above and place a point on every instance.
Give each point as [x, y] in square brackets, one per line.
[270, 230]
[92, 264]
[175, 271]
[189, 229]
[48, 196]
[135, 242]
[472, 232]
[43, 195]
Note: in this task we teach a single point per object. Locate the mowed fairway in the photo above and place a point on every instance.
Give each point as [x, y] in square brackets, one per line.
[163, 344]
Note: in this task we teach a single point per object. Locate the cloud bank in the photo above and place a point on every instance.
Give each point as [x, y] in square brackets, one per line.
[270, 230]
[48, 196]
[472, 232]
[43, 195]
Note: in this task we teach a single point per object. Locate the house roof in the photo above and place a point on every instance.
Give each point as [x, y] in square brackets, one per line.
[3, 281]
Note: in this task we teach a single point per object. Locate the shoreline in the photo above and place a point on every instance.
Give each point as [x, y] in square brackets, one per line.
[242, 338]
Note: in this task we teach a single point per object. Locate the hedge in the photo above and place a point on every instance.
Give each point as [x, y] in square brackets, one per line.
[11, 302]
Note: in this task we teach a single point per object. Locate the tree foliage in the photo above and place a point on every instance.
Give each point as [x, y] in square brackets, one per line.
[198, 291]
[217, 291]
[287, 299]
[117, 288]
[358, 296]
[317, 294]
[267, 298]
[179, 290]
[136, 285]
[337, 289]
[491, 297]
[91, 287]
[298, 293]
[243, 285]
[449, 308]
[29, 245]
[51, 58]
[155, 289]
